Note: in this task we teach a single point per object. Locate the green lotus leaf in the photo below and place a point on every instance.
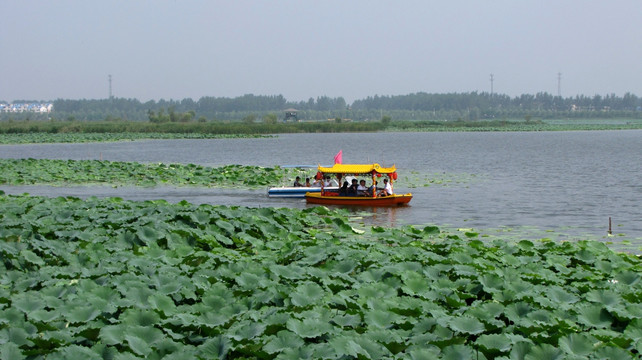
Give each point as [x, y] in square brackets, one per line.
[345, 346]
[11, 351]
[458, 352]
[376, 291]
[492, 282]
[560, 296]
[43, 315]
[417, 285]
[422, 352]
[112, 334]
[347, 320]
[282, 341]
[466, 324]
[31, 257]
[149, 334]
[431, 230]
[309, 328]
[605, 297]
[499, 342]
[613, 353]
[16, 334]
[138, 345]
[291, 272]
[246, 330]
[634, 330]
[80, 313]
[140, 317]
[229, 229]
[170, 287]
[200, 217]
[578, 344]
[594, 316]
[74, 352]
[162, 303]
[544, 352]
[148, 234]
[307, 294]
[380, 318]
[214, 348]
[28, 302]
[629, 278]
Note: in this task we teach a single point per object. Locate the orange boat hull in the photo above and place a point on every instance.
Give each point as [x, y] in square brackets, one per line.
[394, 200]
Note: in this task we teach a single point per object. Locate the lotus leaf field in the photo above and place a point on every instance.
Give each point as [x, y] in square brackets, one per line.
[63, 172]
[115, 279]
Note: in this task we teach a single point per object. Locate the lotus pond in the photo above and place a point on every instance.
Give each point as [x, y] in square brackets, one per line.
[115, 279]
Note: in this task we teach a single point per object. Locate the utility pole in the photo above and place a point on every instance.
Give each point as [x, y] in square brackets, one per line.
[559, 84]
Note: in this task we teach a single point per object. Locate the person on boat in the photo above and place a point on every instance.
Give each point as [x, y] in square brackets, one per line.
[372, 189]
[297, 182]
[387, 188]
[362, 190]
[352, 190]
[307, 182]
[317, 183]
[329, 182]
[344, 189]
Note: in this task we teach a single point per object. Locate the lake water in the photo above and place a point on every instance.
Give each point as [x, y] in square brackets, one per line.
[567, 182]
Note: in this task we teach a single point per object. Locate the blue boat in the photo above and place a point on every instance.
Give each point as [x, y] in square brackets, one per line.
[295, 192]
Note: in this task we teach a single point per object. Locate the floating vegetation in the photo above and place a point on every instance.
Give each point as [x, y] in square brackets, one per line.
[416, 179]
[75, 137]
[108, 278]
[64, 172]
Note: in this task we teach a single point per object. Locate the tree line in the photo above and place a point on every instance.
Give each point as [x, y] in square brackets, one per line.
[417, 106]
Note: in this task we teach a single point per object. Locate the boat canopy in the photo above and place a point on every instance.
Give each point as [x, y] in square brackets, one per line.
[357, 169]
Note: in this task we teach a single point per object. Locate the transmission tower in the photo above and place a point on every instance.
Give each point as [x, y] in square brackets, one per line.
[559, 84]
[110, 95]
[491, 84]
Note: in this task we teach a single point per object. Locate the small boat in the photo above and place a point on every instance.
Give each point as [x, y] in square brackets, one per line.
[294, 192]
[374, 198]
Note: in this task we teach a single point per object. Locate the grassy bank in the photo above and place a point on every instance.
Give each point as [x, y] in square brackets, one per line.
[54, 131]
[107, 278]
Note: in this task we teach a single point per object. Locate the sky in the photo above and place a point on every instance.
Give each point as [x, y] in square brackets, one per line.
[300, 49]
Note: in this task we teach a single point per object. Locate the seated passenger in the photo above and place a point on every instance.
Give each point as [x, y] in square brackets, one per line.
[297, 182]
[387, 188]
[344, 189]
[307, 182]
[362, 190]
[352, 190]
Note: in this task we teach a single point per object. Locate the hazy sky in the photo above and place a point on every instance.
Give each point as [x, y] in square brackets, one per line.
[300, 49]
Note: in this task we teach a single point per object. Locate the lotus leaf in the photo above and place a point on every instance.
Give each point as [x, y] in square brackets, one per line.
[309, 328]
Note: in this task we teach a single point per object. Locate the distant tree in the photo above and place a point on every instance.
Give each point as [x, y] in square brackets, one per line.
[385, 120]
[250, 119]
[270, 118]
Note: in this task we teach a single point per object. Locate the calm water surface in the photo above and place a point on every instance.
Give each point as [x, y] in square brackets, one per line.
[563, 181]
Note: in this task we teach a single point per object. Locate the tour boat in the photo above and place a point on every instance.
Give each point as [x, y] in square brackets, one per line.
[332, 197]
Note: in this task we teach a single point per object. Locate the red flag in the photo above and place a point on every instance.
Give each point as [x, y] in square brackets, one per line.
[338, 158]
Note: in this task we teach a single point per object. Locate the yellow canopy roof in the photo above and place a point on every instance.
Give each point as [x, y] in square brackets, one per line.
[357, 169]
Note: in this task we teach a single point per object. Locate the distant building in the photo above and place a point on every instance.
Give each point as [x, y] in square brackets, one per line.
[26, 107]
